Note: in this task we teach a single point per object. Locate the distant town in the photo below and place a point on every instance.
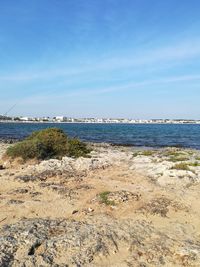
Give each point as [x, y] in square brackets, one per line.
[63, 119]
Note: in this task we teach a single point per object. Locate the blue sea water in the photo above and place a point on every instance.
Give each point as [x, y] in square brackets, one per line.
[148, 135]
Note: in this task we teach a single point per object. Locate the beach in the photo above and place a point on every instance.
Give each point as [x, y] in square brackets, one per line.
[122, 206]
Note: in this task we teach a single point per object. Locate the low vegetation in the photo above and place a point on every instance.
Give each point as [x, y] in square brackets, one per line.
[194, 164]
[176, 156]
[175, 153]
[144, 153]
[135, 154]
[104, 198]
[181, 166]
[175, 159]
[46, 144]
[77, 148]
[147, 153]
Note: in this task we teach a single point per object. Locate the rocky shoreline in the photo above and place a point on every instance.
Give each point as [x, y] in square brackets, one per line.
[121, 206]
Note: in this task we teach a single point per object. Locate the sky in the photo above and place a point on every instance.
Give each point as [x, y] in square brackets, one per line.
[135, 59]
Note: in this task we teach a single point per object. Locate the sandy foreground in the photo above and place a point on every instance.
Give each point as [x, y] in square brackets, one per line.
[120, 207]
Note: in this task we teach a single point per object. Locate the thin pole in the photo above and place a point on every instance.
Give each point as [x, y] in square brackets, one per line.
[10, 109]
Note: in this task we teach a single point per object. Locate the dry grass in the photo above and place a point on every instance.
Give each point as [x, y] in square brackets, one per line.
[181, 166]
[176, 159]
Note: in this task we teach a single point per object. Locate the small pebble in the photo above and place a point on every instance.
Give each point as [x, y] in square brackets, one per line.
[74, 211]
[90, 209]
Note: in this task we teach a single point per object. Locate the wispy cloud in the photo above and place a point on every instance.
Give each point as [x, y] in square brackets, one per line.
[154, 58]
[84, 92]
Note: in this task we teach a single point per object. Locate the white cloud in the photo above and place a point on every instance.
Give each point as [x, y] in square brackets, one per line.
[154, 58]
[84, 92]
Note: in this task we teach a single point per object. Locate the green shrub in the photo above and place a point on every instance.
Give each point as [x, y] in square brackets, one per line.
[104, 198]
[25, 150]
[77, 148]
[46, 144]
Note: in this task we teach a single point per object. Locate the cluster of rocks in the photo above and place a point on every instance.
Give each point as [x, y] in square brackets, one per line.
[117, 197]
[74, 167]
[123, 196]
[37, 242]
[160, 169]
[161, 205]
[9, 140]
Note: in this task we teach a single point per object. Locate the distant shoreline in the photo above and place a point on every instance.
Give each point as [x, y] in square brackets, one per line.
[125, 123]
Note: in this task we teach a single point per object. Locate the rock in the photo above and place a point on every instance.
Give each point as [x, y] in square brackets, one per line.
[177, 178]
[15, 201]
[37, 242]
[2, 167]
[90, 209]
[27, 178]
[73, 167]
[21, 191]
[74, 212]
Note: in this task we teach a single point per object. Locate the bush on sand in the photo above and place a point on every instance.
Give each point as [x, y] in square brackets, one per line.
[46, 144]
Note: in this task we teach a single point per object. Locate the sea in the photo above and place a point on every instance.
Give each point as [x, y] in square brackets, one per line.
[138, 135]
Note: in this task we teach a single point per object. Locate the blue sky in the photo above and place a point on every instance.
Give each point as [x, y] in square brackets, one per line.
[100, 58]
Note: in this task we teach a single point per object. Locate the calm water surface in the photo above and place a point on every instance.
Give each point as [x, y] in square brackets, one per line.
[150, 135]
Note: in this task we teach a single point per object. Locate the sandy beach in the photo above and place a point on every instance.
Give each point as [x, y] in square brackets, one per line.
[122, 206]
